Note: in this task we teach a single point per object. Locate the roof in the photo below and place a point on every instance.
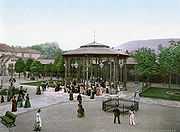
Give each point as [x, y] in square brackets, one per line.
[94, 44]
[94, 49]
[5, 47]
[26, 50]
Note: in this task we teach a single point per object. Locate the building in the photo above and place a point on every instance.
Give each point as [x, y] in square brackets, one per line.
[9, 55]
[27, 53]
[96, 60]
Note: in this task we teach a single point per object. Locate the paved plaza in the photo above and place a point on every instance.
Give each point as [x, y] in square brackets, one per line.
[60, 115]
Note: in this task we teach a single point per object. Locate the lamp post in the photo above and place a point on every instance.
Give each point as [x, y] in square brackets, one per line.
[75, 65]
[121, 70]
[101, 66]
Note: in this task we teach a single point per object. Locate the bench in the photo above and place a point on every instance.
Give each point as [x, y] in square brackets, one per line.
[8, 119]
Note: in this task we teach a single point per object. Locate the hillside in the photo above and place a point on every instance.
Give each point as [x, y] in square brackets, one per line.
[48, 50]
[152, 43]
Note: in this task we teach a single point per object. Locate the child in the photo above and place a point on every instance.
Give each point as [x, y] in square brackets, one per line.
[38, 123]
[132, 118]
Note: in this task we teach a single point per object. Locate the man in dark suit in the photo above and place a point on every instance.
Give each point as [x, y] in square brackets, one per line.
[116, 112]
[79, 98]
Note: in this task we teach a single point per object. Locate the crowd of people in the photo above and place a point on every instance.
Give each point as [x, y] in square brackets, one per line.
[89, 89]
[21, 102]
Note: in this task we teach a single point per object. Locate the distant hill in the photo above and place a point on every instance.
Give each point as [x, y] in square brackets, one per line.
[48, 50]
[151, 43]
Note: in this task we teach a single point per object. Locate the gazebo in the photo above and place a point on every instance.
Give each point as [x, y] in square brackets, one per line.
[96, 61]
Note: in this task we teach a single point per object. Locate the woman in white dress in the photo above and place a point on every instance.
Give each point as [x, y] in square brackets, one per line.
[131, 118]
[38, 123]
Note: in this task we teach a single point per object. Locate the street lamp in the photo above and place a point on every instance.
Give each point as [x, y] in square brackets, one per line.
[72, 65]
[101, 66]
[75, 65]
[121, 72]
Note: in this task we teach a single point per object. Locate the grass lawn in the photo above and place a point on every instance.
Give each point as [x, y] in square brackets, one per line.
[162, 93]
[32, 83]
[37, 83]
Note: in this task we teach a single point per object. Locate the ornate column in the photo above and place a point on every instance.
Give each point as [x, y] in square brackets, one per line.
[87, 69]
[110, 70]
[114, 71]
[125, 74]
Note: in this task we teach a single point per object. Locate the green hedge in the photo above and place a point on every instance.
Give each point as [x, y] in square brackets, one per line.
[4, 91]
[37, 83]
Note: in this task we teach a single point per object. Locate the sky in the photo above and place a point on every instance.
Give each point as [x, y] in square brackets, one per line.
[72, 23]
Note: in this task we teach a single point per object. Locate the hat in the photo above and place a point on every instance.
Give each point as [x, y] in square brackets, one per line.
[39, 110]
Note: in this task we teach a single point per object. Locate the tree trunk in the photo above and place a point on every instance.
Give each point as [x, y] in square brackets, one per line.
[19, 75]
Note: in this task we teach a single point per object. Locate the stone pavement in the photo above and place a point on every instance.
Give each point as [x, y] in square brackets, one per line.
[62, 117]
[52, 103]
[50, 97]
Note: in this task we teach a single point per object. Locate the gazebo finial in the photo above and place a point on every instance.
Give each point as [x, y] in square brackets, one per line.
[94, 36]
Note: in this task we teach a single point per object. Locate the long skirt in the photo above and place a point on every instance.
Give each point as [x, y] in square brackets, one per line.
[27, 104]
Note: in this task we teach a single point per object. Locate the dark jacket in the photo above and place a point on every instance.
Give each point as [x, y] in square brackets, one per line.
[116, 112]
[79, 97]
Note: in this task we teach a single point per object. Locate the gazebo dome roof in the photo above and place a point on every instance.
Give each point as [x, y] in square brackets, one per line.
[94, 44]
[94, 48]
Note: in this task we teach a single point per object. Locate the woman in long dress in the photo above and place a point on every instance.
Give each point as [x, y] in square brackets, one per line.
[80, 111]
[20, 101]
[14, 104]
[132, 118]
[27, 102]
[38, 122]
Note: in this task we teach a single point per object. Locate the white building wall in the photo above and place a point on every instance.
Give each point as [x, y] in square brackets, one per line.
[35, 56]
[26, 55]
[19, 54]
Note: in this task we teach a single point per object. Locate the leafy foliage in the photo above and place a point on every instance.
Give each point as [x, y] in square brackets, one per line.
[19, 66]
[147, 65]
[28, 64]
[36, 67]
[167, 60]
[48, 50]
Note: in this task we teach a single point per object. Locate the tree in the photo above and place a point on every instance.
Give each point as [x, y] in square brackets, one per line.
[169, 60]
[60, 67]
[147, 65]
[19, 66]
[35, 68]
[28, 64]
[48, 50]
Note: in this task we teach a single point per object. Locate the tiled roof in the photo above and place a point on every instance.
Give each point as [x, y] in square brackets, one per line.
[5, 47]
[26, 50]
